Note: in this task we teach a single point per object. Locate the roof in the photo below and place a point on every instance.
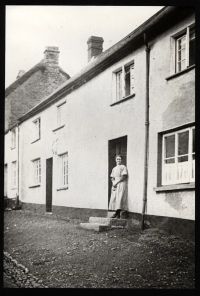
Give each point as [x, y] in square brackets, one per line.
[151, 28]
[40, 66]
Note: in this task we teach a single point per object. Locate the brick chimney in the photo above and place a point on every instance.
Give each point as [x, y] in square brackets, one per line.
[95, 46]
[51, 55]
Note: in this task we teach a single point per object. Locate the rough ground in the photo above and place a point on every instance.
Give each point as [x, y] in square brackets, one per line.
[60, 254]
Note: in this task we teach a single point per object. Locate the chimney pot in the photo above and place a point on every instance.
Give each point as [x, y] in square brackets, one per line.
[20, 73]
[95, 46]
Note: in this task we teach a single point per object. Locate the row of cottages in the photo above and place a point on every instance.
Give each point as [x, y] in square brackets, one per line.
[137, 98]
[22, 95]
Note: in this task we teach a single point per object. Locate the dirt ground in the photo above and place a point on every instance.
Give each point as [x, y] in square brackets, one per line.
[62, 255]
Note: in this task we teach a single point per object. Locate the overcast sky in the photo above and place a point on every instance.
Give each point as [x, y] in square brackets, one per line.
[29, 29]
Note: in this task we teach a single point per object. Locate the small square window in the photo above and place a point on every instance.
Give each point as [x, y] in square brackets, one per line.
[36, 129]
[124, 82]
[185, 49]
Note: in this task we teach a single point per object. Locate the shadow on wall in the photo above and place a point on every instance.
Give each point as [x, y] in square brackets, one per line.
[174, 199]
[182, 109]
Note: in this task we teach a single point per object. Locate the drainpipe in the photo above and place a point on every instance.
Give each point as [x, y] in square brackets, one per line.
[17, 201]
[146, 146]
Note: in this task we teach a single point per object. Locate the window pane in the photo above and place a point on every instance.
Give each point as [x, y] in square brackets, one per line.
[127, 81]
[192, 52]
[170, 160]
[183, 143]
[170, 146]
[119, 85]
[193, 140]
[183, 158]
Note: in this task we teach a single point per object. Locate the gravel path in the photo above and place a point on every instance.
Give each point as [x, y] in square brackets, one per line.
[58, 254]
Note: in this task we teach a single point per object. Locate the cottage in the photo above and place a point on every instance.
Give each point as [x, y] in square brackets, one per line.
[24, 93]
[137, 98]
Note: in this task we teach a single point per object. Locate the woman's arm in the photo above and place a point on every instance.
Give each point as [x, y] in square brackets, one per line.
[122, 178]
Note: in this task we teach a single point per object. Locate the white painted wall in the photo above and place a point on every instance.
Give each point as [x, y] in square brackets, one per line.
[90, 122]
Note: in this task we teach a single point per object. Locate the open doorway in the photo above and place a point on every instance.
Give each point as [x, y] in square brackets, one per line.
[115, 146]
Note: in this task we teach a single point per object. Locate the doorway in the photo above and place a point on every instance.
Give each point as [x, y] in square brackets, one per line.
[115, 146]
[49, 171]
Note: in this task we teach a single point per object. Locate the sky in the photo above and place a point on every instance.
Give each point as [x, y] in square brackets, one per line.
[29, 29]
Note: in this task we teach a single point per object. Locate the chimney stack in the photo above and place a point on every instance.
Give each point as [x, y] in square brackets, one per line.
[95, 46]
[51, 55]
[20, 73]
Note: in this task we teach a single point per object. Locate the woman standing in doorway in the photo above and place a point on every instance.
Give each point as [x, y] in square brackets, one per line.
[119, 191]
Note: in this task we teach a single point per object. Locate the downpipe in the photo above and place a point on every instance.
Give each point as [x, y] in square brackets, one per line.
[146, 145]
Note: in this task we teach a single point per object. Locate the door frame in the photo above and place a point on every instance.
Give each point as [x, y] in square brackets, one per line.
[49, 184]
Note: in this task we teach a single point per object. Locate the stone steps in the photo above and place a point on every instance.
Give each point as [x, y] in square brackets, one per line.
[100, 224]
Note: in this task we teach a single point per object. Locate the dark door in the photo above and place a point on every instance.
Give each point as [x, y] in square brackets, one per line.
[115, 146]
[49, 166]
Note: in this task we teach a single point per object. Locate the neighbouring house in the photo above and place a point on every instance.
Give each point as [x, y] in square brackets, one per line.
[29, 89]
[138, 99]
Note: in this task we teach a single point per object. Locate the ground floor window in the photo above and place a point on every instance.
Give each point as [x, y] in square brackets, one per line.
[14, 174]
[178, 157]
[36, 171]
[63, 170]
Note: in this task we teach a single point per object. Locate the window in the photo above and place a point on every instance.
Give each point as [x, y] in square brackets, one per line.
[36, 129]
[36, 169]
[14, 174]
[185, 49]
[124, 82]
[60, 114]
[178, 163]
[13, 138]
[63, 170]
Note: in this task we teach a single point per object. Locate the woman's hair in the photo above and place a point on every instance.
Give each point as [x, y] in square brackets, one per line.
[118, 155]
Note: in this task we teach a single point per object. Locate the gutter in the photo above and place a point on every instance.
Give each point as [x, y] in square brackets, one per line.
[146, 145]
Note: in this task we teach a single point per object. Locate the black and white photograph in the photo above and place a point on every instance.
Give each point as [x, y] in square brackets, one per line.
[99, 147]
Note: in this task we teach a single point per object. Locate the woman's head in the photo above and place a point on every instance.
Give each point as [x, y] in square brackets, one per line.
[118, 159]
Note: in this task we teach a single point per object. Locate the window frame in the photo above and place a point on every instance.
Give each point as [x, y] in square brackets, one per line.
[36, 171]
[60, 106]
[14, 174]
[13, 139]
[190, 163]
[123, 90]
[63, 171]
[37, 134]
[184, 33]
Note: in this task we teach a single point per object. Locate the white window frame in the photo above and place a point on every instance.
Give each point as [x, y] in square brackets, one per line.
[36, 129]
[178, 172]
[14, 174]
[119, 87]
[185, 34]
[13, 138]
[60, 113]
[63, 170]
[36, 171]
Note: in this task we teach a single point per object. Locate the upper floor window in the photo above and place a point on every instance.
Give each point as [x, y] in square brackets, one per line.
[124, 82]
[14, 174]
[36, 171]
[13, 138]
[185, 49]
[36, 129]
[60, 114]
[178, 162]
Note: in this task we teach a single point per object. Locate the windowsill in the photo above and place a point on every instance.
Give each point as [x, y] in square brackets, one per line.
[57, 128]
[13, 188]
[164, 188]
[35, 140]
[122, 100]
[12, 148]
[33, 186]
[180, 73]
[62, 188]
